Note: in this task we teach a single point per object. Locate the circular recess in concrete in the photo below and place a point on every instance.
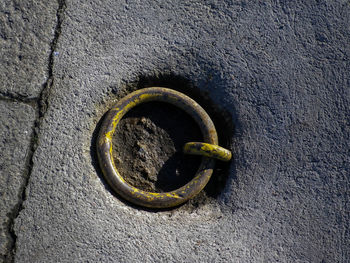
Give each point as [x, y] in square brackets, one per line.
[117, 181]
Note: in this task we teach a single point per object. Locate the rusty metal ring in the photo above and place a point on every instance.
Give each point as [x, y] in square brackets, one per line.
[150, 199]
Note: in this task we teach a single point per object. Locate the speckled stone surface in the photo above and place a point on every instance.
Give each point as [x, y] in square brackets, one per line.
[280, 68]
[16, 130]
[26, 31]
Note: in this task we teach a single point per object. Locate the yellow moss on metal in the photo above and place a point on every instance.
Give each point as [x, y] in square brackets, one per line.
[169, 199]
[120, 113]
[208, 150]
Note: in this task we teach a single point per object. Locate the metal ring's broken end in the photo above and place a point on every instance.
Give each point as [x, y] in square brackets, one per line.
[208, 150]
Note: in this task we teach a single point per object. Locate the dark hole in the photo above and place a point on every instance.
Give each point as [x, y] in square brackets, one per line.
[147, 147]
[221, 118]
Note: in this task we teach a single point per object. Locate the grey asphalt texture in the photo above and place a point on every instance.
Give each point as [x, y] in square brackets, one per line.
[281, 69]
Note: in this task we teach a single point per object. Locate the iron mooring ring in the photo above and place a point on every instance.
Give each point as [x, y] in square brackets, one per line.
[209, 149]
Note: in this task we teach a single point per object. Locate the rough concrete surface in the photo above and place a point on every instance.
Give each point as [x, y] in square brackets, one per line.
[16, 130]
[26, 31]
[279, 68]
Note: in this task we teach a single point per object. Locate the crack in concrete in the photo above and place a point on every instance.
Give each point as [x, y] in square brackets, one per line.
[9, 257]
[6, 96]
[41, 104]
[45, 93]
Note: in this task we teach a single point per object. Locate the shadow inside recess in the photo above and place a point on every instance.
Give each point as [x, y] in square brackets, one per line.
[147, 145]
